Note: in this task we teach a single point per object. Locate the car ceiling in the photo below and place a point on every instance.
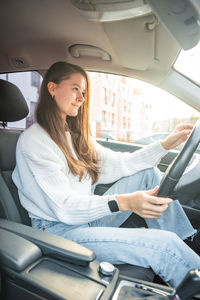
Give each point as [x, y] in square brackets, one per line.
[35, 34]
[42, 31]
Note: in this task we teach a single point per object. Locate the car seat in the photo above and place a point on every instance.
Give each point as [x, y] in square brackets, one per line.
[13, 107]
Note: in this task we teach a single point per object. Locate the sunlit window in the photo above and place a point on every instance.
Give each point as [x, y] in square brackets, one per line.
[142, 112]
[188, 63]
[135, 112]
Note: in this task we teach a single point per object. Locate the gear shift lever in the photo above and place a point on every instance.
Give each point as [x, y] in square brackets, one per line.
[190, 285]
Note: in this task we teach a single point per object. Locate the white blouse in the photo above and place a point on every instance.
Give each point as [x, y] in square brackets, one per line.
[47, 189]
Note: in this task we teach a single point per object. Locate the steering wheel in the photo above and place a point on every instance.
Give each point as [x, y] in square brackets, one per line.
[178, 166]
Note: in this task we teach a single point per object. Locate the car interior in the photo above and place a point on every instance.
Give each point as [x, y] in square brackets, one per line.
[135, 38]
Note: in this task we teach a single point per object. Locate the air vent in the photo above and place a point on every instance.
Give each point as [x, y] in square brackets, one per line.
[18, 62]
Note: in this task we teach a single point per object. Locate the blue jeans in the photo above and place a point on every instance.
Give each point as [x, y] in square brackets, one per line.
[159, 247]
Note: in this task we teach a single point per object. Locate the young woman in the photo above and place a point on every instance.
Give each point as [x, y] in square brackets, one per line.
[59, 165]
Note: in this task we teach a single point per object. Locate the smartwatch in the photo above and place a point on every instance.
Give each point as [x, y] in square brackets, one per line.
[113, 204]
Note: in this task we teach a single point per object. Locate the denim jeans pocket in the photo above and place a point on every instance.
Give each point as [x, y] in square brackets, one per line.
[42, 224]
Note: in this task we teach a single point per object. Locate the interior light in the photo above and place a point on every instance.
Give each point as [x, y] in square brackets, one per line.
[111, 10]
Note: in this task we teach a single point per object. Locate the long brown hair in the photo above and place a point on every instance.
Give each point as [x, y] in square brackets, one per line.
[49, 118]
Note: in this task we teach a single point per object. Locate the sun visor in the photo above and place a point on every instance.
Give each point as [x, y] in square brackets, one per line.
[136, 47]
[181, 18]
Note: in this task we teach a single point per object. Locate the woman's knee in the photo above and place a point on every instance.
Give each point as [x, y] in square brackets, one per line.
[149, 178]
[153, 172]
[153, 177]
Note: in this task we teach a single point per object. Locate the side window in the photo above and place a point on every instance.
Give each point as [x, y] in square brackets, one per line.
[134, 111]
[29, 84]
[122, 108]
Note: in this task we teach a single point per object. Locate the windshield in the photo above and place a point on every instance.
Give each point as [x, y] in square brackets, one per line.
[188, 63]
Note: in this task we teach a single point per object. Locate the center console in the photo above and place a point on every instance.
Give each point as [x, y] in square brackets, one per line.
[48, 278]
[37, 265]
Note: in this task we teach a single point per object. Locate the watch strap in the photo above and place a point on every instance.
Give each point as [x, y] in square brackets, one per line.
[113, 204]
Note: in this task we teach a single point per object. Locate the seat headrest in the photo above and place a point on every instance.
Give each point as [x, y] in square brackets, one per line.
[13, 106]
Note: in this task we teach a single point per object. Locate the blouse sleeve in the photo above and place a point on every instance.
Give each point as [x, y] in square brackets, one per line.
[115, 165]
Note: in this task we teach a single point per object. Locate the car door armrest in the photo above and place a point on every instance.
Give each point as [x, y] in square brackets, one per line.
[50, 244]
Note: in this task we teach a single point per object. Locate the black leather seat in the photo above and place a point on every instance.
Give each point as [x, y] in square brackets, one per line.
[13, 107]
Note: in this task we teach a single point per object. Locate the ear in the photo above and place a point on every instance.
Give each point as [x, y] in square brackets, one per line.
[51, 88]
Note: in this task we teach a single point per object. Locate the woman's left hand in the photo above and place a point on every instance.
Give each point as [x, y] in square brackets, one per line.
[178, 136]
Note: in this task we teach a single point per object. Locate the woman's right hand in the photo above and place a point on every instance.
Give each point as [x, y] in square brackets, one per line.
[144, 203]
